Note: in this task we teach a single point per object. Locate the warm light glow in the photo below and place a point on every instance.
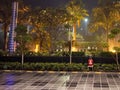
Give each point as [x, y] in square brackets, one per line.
[74, 49]
[74, 33]
[36, 48]
[112, 43]
[78, 21]
[113, 51]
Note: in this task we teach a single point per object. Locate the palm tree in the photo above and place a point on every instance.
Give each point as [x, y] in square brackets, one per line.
[104, 18]
[77, 12]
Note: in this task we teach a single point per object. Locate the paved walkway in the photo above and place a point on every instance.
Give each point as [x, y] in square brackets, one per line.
[59, 81]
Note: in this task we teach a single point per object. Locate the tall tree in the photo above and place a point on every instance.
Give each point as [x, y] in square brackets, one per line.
[104, 18]
[76, 10]
[50, 21]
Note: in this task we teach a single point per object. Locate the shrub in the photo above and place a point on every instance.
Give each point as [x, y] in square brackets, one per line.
[106, 54]
[1, 53]
[78, 54]
[109, 67]
[56, 66]
[30, 53]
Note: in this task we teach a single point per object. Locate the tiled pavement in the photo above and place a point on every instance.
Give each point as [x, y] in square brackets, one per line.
[59, 81]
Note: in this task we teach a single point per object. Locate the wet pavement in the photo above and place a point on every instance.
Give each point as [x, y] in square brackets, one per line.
[59, 80]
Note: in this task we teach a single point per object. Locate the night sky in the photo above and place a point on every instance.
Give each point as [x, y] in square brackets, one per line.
[89, 4]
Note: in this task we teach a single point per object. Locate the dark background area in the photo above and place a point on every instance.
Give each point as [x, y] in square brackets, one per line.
[89, 4]
[57, 59]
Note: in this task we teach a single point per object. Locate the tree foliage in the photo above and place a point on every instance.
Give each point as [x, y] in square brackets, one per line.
[48, 23]
[76, 11]
[105, 17]
[22, 38]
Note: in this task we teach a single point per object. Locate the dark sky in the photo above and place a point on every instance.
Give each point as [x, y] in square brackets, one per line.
[89, 4]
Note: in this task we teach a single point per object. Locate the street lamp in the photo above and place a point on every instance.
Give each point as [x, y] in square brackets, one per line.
[116, 55]
[86, 20]
[70, 45]
[85, 25]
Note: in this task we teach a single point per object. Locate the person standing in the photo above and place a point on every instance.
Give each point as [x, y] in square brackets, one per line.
[90, 64]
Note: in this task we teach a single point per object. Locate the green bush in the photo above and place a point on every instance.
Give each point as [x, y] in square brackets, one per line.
[78, 54]
[30, 53]
[65, 54]
[98, 67]
[3, 53]
[109, 67]
[10, 66]
[106, 54]
[56, 66]
[85, 67]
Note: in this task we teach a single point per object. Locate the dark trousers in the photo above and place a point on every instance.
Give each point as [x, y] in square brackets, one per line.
[90, 68]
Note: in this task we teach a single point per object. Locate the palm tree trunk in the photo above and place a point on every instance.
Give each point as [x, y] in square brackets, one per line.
[107, 39]
[74, 35]
[74, 32]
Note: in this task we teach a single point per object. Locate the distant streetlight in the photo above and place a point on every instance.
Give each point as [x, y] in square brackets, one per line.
[86, 20]
[85, 25]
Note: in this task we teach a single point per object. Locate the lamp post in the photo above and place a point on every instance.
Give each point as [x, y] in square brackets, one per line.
[116, 59]
[116, 55]
[70, 46]
[71, 51]
[85, 25]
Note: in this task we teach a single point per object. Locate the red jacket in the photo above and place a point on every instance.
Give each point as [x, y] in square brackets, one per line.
[90, 62]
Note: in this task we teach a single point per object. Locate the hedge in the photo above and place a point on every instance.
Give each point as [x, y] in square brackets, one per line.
[56, 66]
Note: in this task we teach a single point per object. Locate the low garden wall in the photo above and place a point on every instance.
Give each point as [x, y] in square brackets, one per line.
[57, 59]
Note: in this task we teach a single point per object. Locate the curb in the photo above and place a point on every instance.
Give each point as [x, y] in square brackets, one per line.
[73, 72]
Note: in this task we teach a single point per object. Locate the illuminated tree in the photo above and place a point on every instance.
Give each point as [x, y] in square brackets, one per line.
[77, 13]
[48, 24]
[40, 36]
[114, 35]
[105, 18]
